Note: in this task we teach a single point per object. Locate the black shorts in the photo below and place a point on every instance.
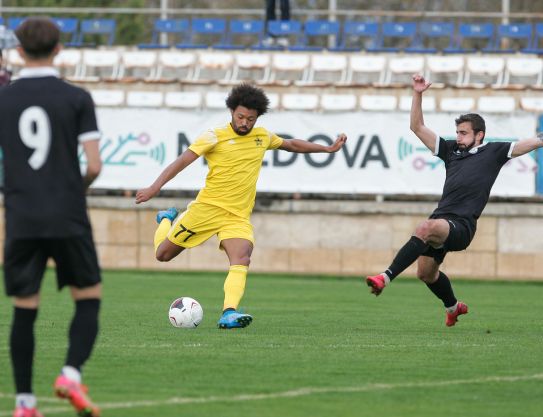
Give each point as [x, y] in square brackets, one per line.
[460, 236]
[25, 261]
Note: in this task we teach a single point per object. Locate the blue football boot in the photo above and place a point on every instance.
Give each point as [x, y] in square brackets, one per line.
[169, 214]
[231, 319]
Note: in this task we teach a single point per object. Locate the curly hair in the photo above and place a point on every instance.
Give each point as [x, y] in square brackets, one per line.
[249, 96]
[477, 122]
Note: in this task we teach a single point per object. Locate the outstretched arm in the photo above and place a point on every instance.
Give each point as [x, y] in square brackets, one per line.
[527, 145]
[303, 146]
[182, 161]
[417, 120]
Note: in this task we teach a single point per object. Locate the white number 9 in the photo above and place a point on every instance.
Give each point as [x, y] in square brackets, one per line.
[35, 132]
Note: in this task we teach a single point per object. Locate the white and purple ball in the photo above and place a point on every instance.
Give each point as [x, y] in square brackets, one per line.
[186, 312]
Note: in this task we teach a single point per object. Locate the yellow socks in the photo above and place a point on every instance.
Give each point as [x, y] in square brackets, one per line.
[162, 232]
[234, 286]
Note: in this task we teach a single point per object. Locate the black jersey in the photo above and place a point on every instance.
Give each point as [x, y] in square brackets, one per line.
[469, 178]
[42, 121]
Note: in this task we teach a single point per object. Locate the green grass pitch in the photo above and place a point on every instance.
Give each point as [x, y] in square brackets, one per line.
[318, 346]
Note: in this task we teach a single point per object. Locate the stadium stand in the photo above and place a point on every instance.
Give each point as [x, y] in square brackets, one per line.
[536, 46]
[473, 37]
[108, 98]
[69, 29]
[287, 68]
[96, 28]
[99, 65]
[325, 70]
[68, 61]
[338, 102]
[457, 104]
[365, 70]
[138, 65]
[483, 71]
[493, 104]
[512, 37]
[212, 67]
[243, 34]
[433, 37]
[378, 102]
[251, 67]
[396, 37]
[522, 72]
[183, 99]
[305, 102]
[532, 104]
[175, 30]
[429, 103]
[144, 99]
[215, 100]
[14, 22]
[288, 30]
[401, 69]
[174, 66]
[445, 71]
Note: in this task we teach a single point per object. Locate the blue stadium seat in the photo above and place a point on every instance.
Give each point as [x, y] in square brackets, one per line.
[68, 26]
[178, 28]
[396, 36]
[536, 47]
[473, 37]
[287, 29]
[512, 38]
[433, 37]
[14, 22]
[316, 31]
[204, 33]
[243, 34]
[358, 35]
[101, 27]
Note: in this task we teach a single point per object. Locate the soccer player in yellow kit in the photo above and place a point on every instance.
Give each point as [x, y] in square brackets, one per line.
[234, 154]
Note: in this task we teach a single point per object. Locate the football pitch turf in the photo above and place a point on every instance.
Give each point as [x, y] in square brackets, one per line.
[318, 346]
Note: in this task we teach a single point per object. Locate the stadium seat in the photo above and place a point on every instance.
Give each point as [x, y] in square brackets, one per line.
[457, 104]
[358, 36]
[396, 37]
[536, 47]
[433, 37]
[445, 71]
[316, 35]
[306, 102]
[96, 27]
[215, 100]
[183, 99]
[532, 104]
[68, 27]
[175, 66]
[144, 99]
[287, 68]
[365, 70]
[137, 66]
[274, 100]
[522, 73]
[175, 31]
[338, 102]
[14, 60]
[14, 22]
[99, 65]
[428, 103]
[289, 30]
[378, 103]
[212, 67]
[401, 70]
[107, 98]
[205, 32]
[473, 37]
[68, 62]
[512, 38]
[255, 67]
[483, 71]
[325, 69]
[493, 104]
[243, 34]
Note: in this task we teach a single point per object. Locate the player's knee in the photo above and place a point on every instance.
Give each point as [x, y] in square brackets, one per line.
[245, 260]
[424, 230]
[426, 277]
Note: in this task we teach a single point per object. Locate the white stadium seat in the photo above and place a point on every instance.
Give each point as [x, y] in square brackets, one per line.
[378, 103]
[457, 104]
[338, 102]
[183, 99]
[137, 65]
[495, 104]
[175, 66]
[251, 67]
[274, 100]
[99, 65]
[428, 103]
[107, 98]
[300, 101]
[212, 67]
[444, 71]
[216, 100]
[325, 69]
[68, 62]
[144, 99]
[483, 71]
[401, 69]
[522, 72]
[14, 60]
[533, 104]
[365, 70]
[286, 68]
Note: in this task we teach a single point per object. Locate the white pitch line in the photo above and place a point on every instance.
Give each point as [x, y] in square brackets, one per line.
[300, 392]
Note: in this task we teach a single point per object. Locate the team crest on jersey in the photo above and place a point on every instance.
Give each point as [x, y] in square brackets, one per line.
[258, 141]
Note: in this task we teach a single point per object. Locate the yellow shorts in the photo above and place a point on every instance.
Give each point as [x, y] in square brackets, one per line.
[200, 221]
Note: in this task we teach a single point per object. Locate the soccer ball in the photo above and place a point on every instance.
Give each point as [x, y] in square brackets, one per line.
[186, 312]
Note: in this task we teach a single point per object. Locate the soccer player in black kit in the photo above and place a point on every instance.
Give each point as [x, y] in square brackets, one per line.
[43, 120]
[471, 168]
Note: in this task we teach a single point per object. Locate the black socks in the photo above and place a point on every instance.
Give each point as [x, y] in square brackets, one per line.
[21, 344]
[443, 290]
[83, 332]
[406, 256]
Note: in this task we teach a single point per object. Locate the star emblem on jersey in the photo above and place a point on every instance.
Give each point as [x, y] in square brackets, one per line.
[258, 141]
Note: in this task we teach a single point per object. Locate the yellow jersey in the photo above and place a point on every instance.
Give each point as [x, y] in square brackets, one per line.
[234, 164]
